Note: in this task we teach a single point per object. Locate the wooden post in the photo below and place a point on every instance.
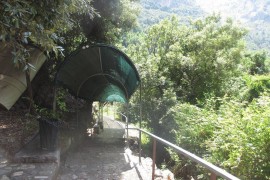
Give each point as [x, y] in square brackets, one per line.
[213, 176]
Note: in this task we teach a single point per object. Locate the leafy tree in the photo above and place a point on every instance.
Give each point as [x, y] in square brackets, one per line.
[117, 17]
[55, 26]
[194, 60]
[25, 22]
[258, 62]
[39, 23]
[257, 85]
[205, 58]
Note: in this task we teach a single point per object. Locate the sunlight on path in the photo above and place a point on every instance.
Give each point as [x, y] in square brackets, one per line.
[102, 156]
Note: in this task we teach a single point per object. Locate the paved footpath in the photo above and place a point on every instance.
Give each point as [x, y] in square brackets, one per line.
[101, 157]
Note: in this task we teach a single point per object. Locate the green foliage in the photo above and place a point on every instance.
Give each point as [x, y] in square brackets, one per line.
[198, 92]
[206, 59]
[257, 63]
[146, 144]
[60, 100]
[25, 22]
[194, 126]
[116, 18]
[235, 137]
[153, 11]
[257, 85]
[241, 141]
[194, 60]
[48, 113]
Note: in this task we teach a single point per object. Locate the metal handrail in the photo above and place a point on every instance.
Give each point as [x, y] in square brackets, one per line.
[215, 171]
[126, 121]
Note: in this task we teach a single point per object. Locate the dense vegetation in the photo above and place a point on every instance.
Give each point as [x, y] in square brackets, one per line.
[153, 11]
[205, 92]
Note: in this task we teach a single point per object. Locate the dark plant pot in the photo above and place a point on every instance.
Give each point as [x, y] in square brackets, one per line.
[48, 131]
[100, 125]
[96, 129]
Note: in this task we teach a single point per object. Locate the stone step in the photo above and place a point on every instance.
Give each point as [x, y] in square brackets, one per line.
[97, 141]
[32, 153]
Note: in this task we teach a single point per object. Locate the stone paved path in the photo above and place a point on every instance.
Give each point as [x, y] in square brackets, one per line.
[101, 157]
[26, 171]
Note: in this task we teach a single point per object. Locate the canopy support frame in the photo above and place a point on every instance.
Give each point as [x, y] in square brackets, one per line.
[102, 74]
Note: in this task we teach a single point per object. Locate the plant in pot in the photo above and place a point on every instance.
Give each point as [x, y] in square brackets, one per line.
[48, 129]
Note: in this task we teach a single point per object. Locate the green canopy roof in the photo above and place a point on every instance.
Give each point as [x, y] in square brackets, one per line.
[99, 73]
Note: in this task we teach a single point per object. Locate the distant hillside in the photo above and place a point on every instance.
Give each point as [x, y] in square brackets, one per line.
[251, 14]
[154, 11]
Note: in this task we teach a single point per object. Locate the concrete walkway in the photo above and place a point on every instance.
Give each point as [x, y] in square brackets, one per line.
[101, 156]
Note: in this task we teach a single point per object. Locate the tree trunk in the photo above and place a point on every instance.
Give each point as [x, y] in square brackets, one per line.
[30, 92]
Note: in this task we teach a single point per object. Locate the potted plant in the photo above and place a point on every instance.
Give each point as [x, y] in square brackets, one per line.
[48, 129]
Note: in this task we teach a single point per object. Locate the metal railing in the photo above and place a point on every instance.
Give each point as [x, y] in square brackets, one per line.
[214, 170]
[126, 119]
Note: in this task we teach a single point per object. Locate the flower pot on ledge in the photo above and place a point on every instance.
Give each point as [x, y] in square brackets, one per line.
[48, 131]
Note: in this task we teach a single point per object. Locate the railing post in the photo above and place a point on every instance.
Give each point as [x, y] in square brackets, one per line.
[140, 146]
[127, 128]
[127, 119]
[213, 176]
[154, 158]
[140, 132]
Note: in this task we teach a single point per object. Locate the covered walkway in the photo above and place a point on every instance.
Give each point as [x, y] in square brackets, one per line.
[99, 73]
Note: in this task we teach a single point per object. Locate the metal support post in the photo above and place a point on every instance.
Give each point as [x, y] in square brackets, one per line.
[114, 111]
[54, 100]
[127, 121]
[101, 112]
[154, 158]
[77, 111]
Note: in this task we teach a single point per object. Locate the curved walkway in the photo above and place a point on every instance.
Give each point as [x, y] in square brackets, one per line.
[101, 156]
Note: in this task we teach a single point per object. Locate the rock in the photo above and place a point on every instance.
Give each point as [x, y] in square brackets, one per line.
[41, 177]
[74, 176]
[18, 173]
[26, 166]
[83, 175]
[84, 166]
[2, 165]
[4, 177]
[4, 171]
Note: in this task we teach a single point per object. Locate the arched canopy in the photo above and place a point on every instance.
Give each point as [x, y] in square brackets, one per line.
[99, 73]
[12, 80]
